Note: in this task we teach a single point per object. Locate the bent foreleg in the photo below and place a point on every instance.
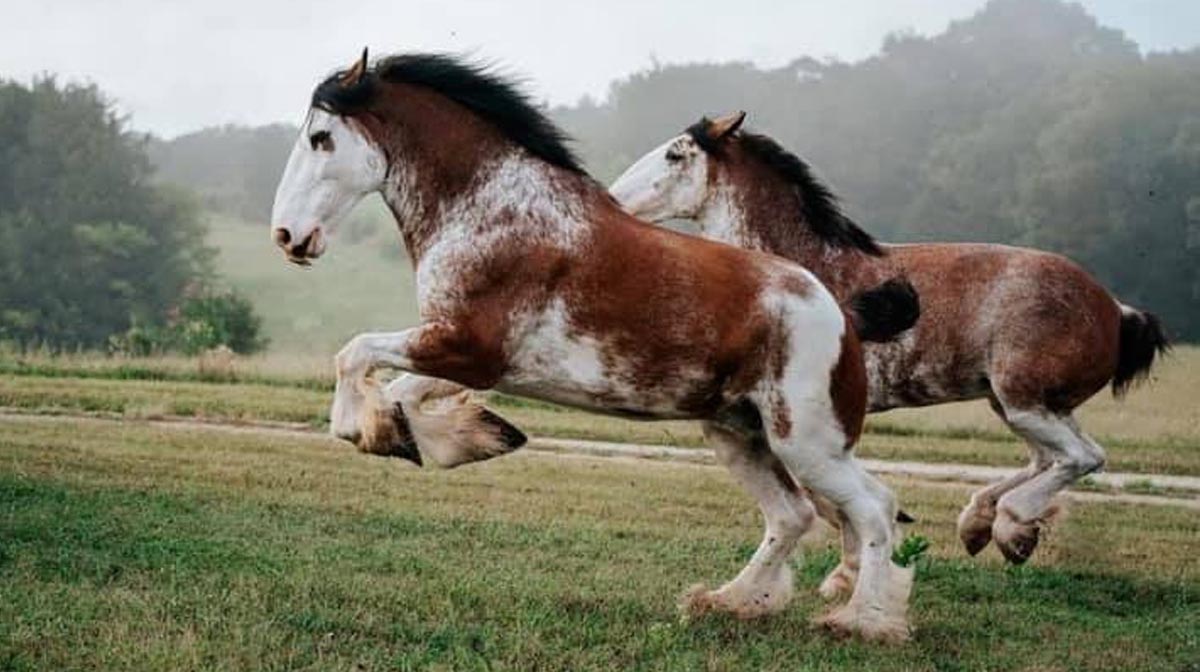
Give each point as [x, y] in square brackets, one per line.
[418, 417]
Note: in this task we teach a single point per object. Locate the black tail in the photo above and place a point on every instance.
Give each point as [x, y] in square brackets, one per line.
[1142, 338]
[884, 312]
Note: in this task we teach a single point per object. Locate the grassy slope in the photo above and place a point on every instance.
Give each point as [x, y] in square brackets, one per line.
[354, 288]
[128, 546]
[273, 402]
[1156, 430]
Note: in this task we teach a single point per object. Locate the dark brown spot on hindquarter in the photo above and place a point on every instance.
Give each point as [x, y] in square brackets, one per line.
[781, 414]
[848, 386]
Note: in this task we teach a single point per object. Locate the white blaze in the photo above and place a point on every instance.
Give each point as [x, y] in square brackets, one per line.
[331, 167]
[670, 182]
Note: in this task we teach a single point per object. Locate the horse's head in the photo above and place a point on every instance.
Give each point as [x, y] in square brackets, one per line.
[673, 181]
[333, 164]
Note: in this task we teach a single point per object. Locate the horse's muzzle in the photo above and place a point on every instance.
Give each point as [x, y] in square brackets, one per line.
[304, 251]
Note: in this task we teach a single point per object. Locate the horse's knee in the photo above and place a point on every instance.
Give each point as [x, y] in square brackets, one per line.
[871, 521]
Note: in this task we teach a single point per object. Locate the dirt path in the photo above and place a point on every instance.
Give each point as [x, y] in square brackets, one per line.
[1187, 488]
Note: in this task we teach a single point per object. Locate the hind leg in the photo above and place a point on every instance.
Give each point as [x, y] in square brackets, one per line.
[1021, 512]
[764, 586]
[812, 444]
[841, 580]
[977, 518]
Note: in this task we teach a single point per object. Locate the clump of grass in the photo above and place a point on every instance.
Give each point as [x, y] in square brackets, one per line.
[1090, 484]
[910, 550]
[1145, 486]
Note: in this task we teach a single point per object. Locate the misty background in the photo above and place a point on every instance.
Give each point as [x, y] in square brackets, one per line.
[133, 217]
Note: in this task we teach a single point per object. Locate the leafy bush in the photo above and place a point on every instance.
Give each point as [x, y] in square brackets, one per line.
[210, 319]
[205, 320]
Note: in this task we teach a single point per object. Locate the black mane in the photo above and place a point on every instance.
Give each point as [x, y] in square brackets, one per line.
[475, 87]
[818, 205]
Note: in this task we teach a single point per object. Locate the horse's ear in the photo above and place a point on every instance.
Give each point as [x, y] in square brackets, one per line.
[721, 127]
[355, 74]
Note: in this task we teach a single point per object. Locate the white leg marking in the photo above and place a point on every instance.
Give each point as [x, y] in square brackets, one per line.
[841, 580]
[764, 586]
[815, 450]
[1021, 511]
[359, 408]
[976, 519]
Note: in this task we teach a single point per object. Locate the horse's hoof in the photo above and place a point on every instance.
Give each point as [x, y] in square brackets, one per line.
[975, 527]
[838, 583]
[508, 435]
[389, 434]
[756, 602]
[871, 625]
[1016, 540]
[697, 601]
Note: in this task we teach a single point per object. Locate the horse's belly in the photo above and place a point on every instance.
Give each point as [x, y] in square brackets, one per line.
[612, 397]
[552, 364]
[900, 375]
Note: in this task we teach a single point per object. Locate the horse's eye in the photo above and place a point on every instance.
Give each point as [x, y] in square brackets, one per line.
[673, 156]
[321, 140]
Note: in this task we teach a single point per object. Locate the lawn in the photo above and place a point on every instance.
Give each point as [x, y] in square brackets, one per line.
[1155, 430]
[132, 546]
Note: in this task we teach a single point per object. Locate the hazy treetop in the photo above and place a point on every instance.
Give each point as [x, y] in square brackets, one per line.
[176, 66]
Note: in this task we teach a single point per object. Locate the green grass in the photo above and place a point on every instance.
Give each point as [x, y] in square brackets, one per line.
[127, 546]
[308, 403]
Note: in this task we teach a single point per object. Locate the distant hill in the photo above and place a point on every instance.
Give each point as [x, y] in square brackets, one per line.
[232, 169]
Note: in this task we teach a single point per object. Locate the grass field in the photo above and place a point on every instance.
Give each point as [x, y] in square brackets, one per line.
[1155, 430]
[125, 545]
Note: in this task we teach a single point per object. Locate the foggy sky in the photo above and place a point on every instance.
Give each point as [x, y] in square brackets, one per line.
[179, 65]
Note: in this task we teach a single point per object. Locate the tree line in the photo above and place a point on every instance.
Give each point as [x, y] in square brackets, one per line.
[1027, 123]
[92, 254]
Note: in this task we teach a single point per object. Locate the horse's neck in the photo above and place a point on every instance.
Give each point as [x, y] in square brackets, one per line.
[728, 219]
[722, 218]
[510, 197]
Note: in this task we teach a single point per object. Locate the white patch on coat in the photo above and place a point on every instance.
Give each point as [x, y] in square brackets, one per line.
[817, 318]
[323, 181]
[516, 202]
[722, 219]
[549, 358]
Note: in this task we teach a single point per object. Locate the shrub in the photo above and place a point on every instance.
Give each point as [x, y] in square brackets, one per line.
[204, 320]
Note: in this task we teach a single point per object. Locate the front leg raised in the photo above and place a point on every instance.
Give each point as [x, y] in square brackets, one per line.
[416, 417]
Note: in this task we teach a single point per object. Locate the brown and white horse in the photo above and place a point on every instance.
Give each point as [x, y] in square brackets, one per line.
[532, 280]
[1030, 331]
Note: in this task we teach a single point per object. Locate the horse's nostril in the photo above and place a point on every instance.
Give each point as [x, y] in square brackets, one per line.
[300, 249]
[282, 237]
